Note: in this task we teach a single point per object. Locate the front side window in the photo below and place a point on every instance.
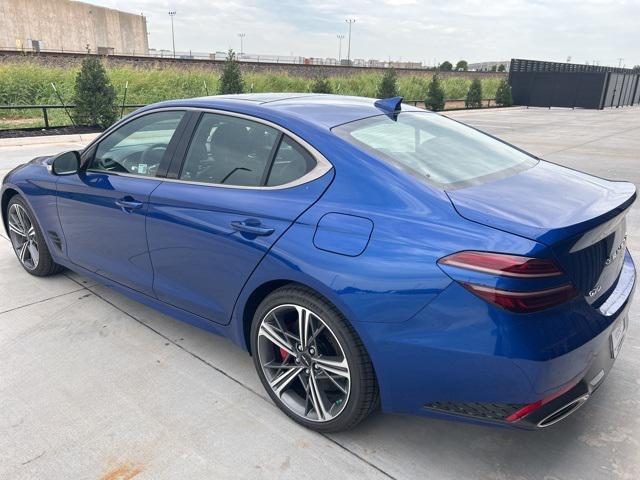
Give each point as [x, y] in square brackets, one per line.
[229, 150]
[436, 149]
[137, 147]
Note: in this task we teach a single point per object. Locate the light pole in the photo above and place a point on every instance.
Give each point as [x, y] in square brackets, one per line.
[340, 37]
[350, 22]
[242, 35]
[172, 14]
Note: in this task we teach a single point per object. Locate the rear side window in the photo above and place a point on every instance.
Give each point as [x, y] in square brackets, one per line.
[229, 151]
[436, 149]
[291, 163]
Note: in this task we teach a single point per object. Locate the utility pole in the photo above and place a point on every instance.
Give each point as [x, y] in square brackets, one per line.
[172, 14]
[620, 62]
[350, 22]
[242, 35]
[340, 37]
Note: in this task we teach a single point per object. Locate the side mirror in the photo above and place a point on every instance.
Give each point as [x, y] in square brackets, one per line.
[67, 163]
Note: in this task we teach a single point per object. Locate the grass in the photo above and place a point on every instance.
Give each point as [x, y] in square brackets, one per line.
[25, 83]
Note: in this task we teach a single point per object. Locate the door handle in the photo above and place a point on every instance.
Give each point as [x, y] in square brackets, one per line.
[252, 227]
[128, 205]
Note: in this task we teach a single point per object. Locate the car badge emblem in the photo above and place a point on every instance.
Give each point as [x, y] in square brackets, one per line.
[616, 252]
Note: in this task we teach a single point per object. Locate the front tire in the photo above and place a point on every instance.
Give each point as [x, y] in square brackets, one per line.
[311, 362]
[28, 241]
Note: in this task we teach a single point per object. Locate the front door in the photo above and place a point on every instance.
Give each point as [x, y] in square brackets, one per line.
[209, 228]
[103, 209]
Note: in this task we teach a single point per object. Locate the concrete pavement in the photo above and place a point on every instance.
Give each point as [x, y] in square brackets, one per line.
[96, 386]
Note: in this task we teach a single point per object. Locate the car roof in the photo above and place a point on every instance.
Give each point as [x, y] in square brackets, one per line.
[322, 110]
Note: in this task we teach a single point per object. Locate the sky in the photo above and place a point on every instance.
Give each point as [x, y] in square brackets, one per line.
[427, 31]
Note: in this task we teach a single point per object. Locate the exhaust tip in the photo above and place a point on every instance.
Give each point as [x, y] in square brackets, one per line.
[563, 412]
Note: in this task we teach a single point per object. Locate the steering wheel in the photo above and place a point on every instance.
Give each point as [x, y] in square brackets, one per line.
[147, 156]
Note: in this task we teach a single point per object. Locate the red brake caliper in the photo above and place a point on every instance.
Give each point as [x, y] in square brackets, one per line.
[283, 354]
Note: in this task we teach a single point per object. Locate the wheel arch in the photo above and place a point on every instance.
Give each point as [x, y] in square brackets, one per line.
[251, 305]
[265, 289]
[7, 195]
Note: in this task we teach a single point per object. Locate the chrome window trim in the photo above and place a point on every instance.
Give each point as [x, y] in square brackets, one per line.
[120, 174]
[322, 164]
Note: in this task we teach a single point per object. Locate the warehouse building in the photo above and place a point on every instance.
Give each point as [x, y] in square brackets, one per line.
[69, 26]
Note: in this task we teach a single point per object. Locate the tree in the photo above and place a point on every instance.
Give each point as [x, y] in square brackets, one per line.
[503, 94]
[94, 96]
[474, 95]
[435, 94]
[494, 68]
[321, 85]
[446, 66]
[501, 67]
[231, 79]
[388, 86]
[636, 68]
[462, 65]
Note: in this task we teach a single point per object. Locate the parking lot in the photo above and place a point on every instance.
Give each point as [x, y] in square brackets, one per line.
[96, 386]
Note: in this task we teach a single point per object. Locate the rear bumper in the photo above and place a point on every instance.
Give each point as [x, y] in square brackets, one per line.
[462, 359]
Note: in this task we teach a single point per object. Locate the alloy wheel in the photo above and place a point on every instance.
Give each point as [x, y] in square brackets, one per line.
[23, 236]
[304, 363]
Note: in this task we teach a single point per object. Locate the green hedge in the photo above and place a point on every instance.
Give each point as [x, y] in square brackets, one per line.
[24, 83]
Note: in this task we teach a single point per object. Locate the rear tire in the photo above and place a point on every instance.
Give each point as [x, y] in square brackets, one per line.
[323, 378]
[28, 241]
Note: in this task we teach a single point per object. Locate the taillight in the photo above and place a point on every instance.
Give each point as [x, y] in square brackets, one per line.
[506, 265]
[503, 264]
[532, 407]
[525, 302]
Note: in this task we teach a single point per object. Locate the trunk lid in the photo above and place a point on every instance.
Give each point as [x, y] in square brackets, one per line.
[581, 217]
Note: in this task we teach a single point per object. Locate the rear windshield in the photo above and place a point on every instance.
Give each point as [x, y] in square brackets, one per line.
[434, 148]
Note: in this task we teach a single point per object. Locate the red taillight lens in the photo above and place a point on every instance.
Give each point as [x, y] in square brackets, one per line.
[503, 264]
[506, 265]
[527, 409]
[525, 302]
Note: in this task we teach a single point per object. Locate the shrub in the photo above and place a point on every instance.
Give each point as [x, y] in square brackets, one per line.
[321, 85]
[388, 85]
[474, 95]
[462, 65]
[503, 94]
[501, 67]
[30, 83]
[94, 96]
[446, 66]
[231, 78]
[435, 94]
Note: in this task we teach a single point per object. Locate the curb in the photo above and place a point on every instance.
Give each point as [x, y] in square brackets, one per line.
[47, 139]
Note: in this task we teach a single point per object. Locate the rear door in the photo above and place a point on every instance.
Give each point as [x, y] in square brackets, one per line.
[241, 183]
[103, 208]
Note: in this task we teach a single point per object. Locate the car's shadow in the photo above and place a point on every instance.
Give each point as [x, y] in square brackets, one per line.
[598, 441]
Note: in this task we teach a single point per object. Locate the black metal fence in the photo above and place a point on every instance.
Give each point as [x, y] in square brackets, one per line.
[550, 84]
[451, 104]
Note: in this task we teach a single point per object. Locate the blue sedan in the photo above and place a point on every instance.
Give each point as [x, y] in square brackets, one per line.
[366, 253]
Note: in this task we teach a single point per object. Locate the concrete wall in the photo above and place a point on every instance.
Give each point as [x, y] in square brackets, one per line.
[70, 26]
[297, 70]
